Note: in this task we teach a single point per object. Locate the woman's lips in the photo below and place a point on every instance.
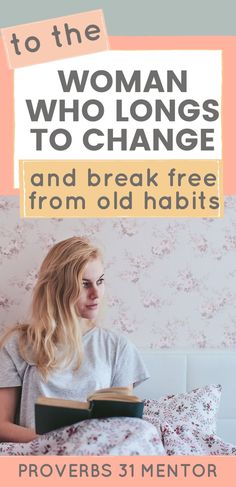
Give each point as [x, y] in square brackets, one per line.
[92, 306]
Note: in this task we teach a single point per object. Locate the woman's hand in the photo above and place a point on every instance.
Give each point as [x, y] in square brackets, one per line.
[131, 388]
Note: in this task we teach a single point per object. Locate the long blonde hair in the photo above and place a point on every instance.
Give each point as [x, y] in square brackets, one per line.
[54, 320]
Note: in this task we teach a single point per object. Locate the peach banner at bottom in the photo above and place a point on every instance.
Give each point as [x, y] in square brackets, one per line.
[99, 471]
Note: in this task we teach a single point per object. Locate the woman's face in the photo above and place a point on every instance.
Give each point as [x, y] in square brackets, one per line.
[92, 291]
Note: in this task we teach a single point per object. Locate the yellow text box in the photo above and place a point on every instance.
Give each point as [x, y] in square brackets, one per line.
[121, 188]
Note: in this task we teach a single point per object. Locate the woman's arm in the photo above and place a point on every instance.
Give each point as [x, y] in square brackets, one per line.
[9, 397]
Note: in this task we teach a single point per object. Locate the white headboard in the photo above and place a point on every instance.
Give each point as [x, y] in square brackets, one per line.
[175, 372]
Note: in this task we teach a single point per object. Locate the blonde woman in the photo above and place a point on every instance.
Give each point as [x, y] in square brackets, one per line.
[62, 352]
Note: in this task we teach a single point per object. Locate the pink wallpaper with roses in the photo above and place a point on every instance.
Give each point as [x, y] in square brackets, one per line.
[170, 283]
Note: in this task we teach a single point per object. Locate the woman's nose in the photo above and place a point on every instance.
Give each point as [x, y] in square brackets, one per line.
[94, 292]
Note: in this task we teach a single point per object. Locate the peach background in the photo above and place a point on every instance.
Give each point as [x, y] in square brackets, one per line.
[6, 125]
[225, 468]
[226, 43]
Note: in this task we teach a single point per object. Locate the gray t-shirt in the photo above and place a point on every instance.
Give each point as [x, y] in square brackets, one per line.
[109, 360]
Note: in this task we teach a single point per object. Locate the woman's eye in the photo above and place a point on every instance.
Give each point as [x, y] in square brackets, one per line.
[85, 284]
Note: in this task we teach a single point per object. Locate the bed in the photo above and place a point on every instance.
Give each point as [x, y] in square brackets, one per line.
[185, 370]
[190, 409]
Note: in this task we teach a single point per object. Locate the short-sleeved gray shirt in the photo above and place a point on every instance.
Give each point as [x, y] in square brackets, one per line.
[109, 360]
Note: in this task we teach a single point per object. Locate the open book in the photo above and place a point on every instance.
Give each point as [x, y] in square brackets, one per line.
[53, 413]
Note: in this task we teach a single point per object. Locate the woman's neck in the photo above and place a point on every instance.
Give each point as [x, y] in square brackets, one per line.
[86, 325]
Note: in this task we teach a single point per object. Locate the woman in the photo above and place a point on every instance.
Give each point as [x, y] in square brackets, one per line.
[62, 352]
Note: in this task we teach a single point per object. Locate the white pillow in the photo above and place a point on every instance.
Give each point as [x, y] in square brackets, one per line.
[196, 410]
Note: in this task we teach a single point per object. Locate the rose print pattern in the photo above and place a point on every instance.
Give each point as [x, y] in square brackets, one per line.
[173, 278]
[111, 436]
[182, 424]
[195, 409]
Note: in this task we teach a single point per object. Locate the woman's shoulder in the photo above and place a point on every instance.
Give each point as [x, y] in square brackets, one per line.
[10, 337]
[12, 364]
[108, 336]
[11, 343]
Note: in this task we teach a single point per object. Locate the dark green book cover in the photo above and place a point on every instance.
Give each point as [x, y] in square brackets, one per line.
[52, 417]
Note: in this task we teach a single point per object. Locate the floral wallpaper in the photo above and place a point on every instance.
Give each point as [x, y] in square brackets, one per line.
[170, 283]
